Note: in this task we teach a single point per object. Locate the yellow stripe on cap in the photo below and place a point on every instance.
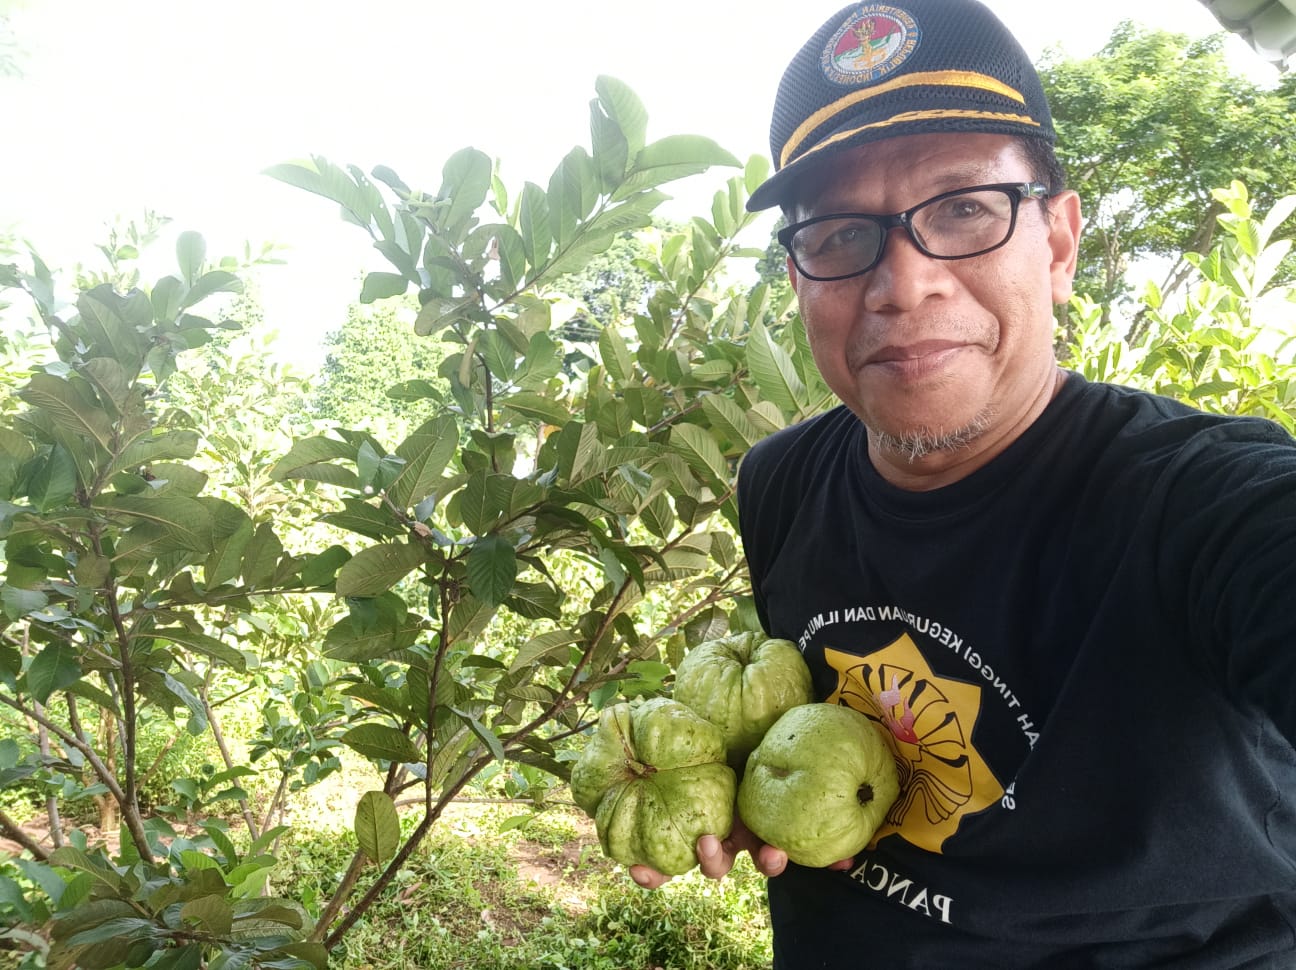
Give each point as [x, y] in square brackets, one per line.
[923, 116]
[962, 79]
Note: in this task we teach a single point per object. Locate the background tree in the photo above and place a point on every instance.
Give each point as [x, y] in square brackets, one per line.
[614, 284]
[369, 355]
[1147, 127]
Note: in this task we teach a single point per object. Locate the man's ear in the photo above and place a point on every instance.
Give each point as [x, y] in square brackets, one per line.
[1065, 225]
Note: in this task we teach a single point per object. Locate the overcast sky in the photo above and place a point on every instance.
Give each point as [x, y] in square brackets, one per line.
[178, 106]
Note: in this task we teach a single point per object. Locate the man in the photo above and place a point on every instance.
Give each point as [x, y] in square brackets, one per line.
[1063, 603]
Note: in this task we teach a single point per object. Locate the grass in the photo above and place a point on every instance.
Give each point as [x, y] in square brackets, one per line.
[541, 897]
[480, 894]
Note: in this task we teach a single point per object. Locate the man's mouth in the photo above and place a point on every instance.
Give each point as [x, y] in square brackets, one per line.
[893, 354]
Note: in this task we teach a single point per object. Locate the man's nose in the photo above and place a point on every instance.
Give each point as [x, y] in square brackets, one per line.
[905, 276]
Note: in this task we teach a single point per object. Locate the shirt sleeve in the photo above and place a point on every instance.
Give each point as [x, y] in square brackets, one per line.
[1231, 521]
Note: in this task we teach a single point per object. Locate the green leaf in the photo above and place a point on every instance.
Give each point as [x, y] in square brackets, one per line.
[68, 409]
[185, 522]
[438, 313]
[261, 557]
[205, 645]
[545, 648]
[492, 567]
[55, 668]
[535, 601]
[483, 733]
[624, 107]
[112, 324]
[112, 931]
[385, 630]
[426, 452]
[110, 380]
[671, 158]
[168, 445]
[597, 235]
[573, 193]
[321, 569]
[483, 500]
[382, 286]
[364, 519]
[731, 421]
[538, 407]
[54, 483]
[212, 913]
[772, 369]
[377, 826]
[191, 253]
[533, 224]
[70, 857]
[215, 829]
[19, 602]
[316, 954]
[377, 569]
[217, 281]
[466, 178]
[382, 743]
[610, 150]
[226, 559]
[617, 360]
[308, 452]
[197, 711]
[701, 452]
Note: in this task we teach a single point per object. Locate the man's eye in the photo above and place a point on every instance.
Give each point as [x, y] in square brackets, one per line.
[838, 238]
[845, 238]
[962, 208]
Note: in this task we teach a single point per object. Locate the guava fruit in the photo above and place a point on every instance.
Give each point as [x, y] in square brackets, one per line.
[654, 779]
[819, 784]
[742, 684]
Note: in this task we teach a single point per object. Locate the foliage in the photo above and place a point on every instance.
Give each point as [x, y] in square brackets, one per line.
[614, 284]
[618, 457]
[372, 365]
[113, 560]
[1147, 127]
[549, 539]
[1213, 351]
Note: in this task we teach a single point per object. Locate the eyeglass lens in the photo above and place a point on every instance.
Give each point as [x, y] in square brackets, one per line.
[952, 226]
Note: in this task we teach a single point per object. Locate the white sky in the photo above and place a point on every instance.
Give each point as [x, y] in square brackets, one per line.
[178, 105]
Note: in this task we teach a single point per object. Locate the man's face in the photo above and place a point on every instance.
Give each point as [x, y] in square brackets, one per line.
[945, 360]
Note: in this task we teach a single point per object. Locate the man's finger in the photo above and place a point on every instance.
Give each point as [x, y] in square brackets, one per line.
[769, 860]
[648, 878]
[714, 857]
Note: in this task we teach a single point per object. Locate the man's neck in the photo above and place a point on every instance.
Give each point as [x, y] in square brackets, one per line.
[919, 465]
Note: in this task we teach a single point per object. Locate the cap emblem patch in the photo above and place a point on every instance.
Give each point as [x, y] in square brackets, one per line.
[873, 41]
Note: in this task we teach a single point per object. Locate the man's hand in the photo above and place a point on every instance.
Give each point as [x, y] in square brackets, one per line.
[717, 856]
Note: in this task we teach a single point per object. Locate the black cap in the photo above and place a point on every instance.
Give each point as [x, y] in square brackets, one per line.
[878, 70]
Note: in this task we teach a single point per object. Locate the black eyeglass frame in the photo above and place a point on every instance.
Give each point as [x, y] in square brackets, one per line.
[1015, 191]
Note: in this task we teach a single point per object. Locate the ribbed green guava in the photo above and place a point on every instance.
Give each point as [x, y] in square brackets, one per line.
[654, 779]
[742, 684]
[819, 784]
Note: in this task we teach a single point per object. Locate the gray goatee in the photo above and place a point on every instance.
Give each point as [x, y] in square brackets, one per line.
[921, 442]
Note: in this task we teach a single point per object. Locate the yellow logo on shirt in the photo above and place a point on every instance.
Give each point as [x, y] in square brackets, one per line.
[928, 720]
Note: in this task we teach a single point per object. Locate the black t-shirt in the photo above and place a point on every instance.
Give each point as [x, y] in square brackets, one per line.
[1084, 655]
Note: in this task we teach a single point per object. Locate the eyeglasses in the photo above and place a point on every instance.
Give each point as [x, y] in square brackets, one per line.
[952, 225]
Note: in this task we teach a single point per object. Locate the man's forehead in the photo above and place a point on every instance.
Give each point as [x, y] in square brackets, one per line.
[909, 165]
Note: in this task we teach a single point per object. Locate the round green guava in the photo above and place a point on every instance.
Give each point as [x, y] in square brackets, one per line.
[654, 779]
[742, 684]
[819, 784]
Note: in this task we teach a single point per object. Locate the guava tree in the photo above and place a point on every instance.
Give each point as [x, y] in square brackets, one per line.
[582, 485]
[548, 540]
